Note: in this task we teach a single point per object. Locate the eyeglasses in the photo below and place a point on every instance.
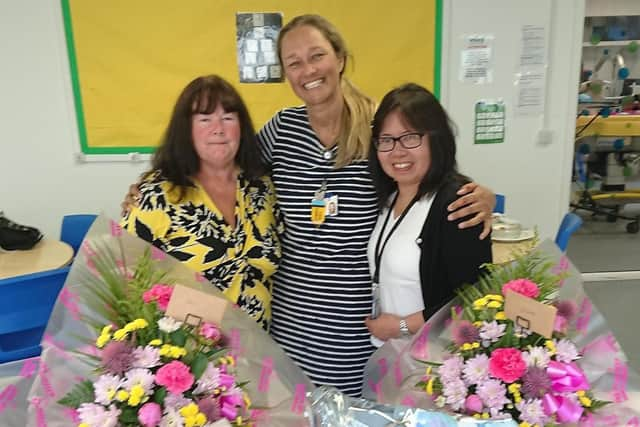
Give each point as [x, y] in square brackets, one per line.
[408, 141]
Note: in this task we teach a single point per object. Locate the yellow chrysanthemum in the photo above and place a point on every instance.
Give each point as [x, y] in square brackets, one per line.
[551, 346]
[135, 395]
[239, 420]
[429, 387]
[106, 330]
[495, 297]
[102, 340]
[500, 315]
[83, 425]
[122, 395]
[120, 334]
[485, 415]
[524, 424]
[477, 323]
[155, 343]
[247, 400]
[192, 416]
[494, 304]
[429, 370]
[514, 388]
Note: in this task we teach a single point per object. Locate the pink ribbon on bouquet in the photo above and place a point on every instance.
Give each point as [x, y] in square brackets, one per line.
[567, 411]
[566, 377]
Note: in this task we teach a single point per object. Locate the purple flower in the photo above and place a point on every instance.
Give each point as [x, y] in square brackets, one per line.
[451, 368]
[210, 407]
[465, 332]
[535, 383]
[532, 412]
[209, 381]
[493, 394]
[473, 404]
[455, 392]
[492, 331]
[146, 357]
[117, 357]
[476, 369]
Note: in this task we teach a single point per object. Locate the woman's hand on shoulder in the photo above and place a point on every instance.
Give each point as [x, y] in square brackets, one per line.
[131, 199]
[474, 200]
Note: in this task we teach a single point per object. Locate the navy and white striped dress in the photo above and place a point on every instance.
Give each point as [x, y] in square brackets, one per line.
[322, 289]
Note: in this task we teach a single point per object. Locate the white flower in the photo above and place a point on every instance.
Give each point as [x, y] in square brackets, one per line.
[172, 418]
[209, 381]
[566, 351]
[141, 377]
[169, 324]
[146, 357]
[96, 415]
[536, 356]
[106, 387]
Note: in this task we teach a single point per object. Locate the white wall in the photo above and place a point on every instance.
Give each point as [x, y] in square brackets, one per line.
[39, 179]
[534, 176]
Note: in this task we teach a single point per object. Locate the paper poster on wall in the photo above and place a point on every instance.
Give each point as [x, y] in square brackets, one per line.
[533, 50]
[256, 35]
[475, 59]
[530, 91]
[489, 122]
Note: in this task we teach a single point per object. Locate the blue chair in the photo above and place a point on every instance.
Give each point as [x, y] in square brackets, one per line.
[499, 208]
[570, 223]
[74, 228]
[26, 303]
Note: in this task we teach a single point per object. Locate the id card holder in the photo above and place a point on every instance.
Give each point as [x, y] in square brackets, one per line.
[318, 208]
[375, 307]
[331, 202]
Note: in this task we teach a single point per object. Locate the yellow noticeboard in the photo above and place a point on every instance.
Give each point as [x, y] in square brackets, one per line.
[130, 59]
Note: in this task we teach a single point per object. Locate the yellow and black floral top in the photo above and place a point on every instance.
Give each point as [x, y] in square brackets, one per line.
[240, 261]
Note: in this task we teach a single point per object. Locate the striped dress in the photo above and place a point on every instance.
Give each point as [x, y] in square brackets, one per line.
[322, 289]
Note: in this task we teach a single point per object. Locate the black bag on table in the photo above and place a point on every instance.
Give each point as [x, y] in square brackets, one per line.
[17, 237]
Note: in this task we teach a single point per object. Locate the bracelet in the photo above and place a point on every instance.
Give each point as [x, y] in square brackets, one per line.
[404, 328]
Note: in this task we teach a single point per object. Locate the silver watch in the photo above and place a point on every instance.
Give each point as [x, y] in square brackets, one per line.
[404, 328]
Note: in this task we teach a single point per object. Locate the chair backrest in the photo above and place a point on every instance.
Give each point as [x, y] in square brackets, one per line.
[570, 223]
[499, 204]
[74, 228]
[26, 303]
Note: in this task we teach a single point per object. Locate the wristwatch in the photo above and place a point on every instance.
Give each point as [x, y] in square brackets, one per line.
[404, 328]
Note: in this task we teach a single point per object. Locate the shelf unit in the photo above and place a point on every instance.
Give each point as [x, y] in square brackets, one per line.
[610, 43]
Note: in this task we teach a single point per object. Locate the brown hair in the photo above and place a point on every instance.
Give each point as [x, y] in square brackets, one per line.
[355, 132]
[177, 159]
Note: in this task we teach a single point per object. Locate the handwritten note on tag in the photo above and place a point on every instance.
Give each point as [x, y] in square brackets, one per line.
[194, 306]
[530, 314]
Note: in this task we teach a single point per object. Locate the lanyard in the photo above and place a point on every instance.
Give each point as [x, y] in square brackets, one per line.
[380, 250]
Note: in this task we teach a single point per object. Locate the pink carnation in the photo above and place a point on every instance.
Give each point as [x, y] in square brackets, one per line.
[159, 293]
[210, 331]
[507, 364]
[175, 376]
[150, 414]
[522, 286]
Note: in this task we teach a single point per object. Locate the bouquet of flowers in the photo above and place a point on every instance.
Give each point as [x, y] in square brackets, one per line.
[498, 367]
[138, 339]
[153, 369]
[481, 356]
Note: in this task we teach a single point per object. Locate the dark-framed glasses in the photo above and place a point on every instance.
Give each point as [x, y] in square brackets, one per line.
[408, 141]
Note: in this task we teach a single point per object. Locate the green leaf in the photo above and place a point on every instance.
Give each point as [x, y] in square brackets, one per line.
[81, 393]
[129, 415]
[159, 395]
[198, 365]
[179, 337]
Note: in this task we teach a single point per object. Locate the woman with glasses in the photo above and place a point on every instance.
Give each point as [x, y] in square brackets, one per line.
[417, 257]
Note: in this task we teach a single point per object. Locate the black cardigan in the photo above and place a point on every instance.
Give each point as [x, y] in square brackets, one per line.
[450, 257]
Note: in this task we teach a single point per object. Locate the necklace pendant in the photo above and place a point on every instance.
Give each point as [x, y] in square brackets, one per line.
[327, 154]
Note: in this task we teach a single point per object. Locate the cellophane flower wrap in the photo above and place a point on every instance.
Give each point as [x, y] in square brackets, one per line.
[469, 358]
[112, 357]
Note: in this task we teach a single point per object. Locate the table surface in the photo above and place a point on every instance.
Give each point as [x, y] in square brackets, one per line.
[46, 255]
[504, 252]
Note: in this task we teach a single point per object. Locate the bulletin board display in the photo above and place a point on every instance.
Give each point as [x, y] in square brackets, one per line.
[129, 60]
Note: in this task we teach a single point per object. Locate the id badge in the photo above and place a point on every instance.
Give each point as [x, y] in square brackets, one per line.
[375, 307]
[318, 211]
[331, 202]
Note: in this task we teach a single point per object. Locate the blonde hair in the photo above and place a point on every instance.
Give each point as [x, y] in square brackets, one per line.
[355, 129]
